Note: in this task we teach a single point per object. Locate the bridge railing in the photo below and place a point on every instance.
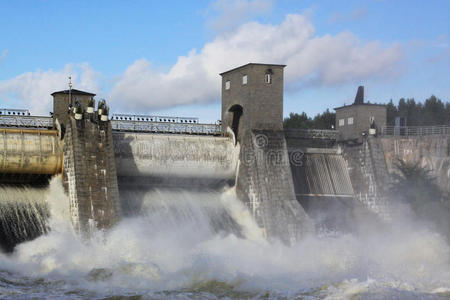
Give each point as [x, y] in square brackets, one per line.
[26, 121]
[138, 126]
[415, 130]
[118, 125]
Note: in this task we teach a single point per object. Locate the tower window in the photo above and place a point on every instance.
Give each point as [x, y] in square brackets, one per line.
[341, 122]
[268, 78]
[350, 121]
[244, 79]
[227, 85]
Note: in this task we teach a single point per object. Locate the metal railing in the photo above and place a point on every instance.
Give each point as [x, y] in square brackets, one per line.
[26, 121]
[324, 134]
[161, 127]
[415, 130]
[153, 118]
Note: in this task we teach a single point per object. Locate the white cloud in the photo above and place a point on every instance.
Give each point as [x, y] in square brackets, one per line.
[194, 79]
[311, 60]
[228, 14]
[3, 55]
[354, 15]
[32, 90]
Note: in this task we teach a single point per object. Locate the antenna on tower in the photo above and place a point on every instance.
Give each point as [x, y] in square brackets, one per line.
[70, 91]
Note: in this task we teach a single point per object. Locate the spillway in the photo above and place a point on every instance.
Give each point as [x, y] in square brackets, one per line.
[23, 214]
[176, 164]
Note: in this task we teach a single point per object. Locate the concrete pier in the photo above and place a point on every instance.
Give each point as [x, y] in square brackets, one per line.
[90, 175]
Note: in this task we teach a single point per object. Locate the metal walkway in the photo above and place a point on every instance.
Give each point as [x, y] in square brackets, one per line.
[118, 125]
[161, 127]
[26, 121]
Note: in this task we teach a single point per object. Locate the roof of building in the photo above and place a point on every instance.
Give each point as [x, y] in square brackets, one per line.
[73, 92]
[360, 104]
[255, 64]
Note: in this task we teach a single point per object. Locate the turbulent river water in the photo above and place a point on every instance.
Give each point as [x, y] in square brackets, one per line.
[204, 245]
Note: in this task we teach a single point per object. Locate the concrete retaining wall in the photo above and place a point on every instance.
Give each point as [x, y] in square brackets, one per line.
[90, 176]
[430, 152]
[265, 185]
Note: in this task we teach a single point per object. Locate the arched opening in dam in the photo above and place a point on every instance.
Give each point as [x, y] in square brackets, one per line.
[237, 112]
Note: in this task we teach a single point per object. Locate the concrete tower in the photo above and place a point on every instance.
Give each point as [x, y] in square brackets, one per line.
[252, 98]
[61, 103]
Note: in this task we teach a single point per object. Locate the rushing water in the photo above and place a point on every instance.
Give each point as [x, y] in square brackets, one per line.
[192, 245]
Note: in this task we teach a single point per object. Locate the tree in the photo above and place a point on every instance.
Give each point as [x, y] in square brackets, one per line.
[326, 120]
[432, 112]
[295, 120]
[391, 113]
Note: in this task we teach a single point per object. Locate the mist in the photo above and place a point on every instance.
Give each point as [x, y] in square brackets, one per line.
[208, 244]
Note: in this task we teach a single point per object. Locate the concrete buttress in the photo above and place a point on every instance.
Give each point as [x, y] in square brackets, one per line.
[90, 175]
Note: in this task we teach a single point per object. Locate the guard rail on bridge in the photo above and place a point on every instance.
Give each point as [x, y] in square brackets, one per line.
[118, 125]
[26, 121]
[415, 130]
[189, 128]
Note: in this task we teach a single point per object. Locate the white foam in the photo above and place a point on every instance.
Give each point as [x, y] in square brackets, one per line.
[154, 252]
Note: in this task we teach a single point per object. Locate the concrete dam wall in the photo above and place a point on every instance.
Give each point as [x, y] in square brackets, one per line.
[265, 185]
[429, 152]
[368, 175]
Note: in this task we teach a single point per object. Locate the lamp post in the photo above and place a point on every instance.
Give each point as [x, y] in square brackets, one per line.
[70, 91]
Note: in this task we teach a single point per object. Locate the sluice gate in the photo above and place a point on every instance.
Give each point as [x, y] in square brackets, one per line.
[30, 151]
[174, 156]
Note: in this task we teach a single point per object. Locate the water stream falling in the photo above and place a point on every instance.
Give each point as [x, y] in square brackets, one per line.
[195, 245]
[23, 215]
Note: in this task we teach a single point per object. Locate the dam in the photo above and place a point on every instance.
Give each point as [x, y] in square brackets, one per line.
[287, 178]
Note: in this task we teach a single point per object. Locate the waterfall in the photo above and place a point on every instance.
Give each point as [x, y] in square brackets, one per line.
[23, 215]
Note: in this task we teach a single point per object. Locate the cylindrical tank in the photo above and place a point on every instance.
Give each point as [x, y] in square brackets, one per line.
[166, 156]
[30, 151]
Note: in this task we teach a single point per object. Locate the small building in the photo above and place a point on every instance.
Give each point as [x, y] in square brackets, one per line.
[62, 100]
[355, 120]
[252, 97]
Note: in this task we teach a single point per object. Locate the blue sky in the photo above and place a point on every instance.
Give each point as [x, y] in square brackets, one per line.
[164, 57]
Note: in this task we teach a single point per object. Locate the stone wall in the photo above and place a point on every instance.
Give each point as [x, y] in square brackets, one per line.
[89, 174]
[368, 174]
[265, 184]
[430, 152]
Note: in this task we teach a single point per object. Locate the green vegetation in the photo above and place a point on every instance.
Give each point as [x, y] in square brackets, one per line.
[324, 120]
[432, 112]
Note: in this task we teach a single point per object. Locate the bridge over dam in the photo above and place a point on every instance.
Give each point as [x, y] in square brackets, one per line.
[292, 181]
